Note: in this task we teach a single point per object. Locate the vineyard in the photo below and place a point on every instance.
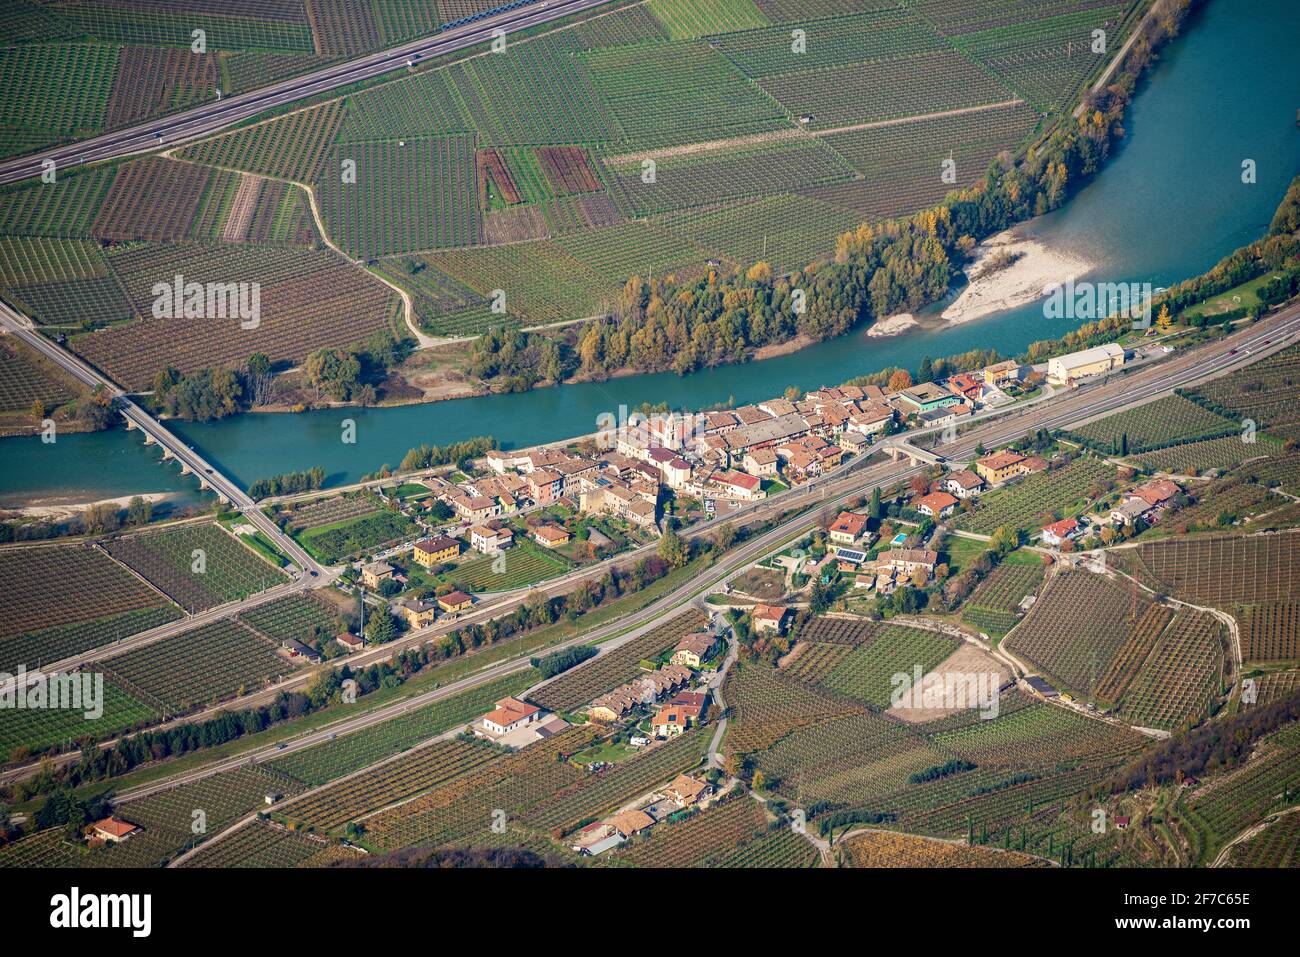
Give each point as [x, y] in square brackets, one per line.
[47, 645]
[199, 565]
[352, 537]
[614, 666]
[463, 810]
[785, 231]
[1183, 678]
[1222, 570]
[1040, 735]
[333, 759]
[168, 818]
[700, 839]
[1263, 392]
[31, 731]
[25, 379]
[198, 667]
[813, 661]
[1080, 627]
[376, 787]
[260, 844]
[290, 147]
[766, 706]
[883, 849]
[523, 565]
[780, 847]
[1165, 422]
[296, 617]
[596, 793]
[407, 195]
[168, 821]
[307, 299]
[994, 606]
[1038, 499]
[1277, 846]
[884, 90]
[854, 760]
[866, 673]
[1242, 798]
[60, 600]
[1270, 631]
[526, 149]
[329, 511]
[1194, 458]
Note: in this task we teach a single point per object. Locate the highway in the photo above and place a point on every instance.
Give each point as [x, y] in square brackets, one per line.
[192, 124]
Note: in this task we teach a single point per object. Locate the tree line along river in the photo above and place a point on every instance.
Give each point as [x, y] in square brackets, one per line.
[1168, 205]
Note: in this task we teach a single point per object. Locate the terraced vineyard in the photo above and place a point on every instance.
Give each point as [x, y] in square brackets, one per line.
[882, 849]
[1221, 570]
[1195, 458]
[198, 564]
[1246, 796]
[994, 606]
[1184, 677]
[1040, 735]
[1277, 846]
[1076, 649]
[1270, 631]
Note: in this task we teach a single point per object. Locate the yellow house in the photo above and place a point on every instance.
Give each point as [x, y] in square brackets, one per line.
[435, 551]
[376, 572]
[550, 536]
[1000, 466]
[693, 649]
[455, 601]
[418, 614]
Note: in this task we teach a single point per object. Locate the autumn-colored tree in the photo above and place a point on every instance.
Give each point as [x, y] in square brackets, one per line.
[900, 380]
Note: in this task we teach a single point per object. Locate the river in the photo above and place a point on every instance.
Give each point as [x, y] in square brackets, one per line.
[1168, 205]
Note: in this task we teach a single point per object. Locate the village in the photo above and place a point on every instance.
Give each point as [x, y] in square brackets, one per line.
[517, 517]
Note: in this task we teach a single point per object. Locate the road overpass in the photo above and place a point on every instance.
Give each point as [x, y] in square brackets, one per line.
[219, 114]
[156, 433]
